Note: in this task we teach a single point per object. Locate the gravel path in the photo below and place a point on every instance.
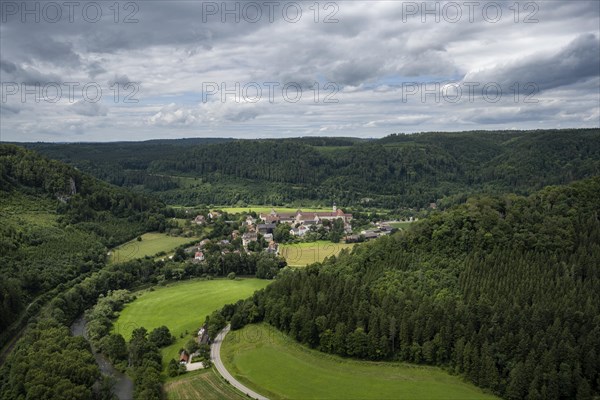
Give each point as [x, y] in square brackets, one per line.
[215, 355]
[194, 366]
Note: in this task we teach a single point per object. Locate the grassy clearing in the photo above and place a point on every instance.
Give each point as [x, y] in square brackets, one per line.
[400, 225]
[181, 222]
[267, 209]
[151, 244]
[303, 254]
[182, 307]
[276, 366]
[201, 384]
[24, 210]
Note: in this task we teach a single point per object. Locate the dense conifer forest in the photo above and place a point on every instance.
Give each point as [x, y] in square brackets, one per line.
[393, 172]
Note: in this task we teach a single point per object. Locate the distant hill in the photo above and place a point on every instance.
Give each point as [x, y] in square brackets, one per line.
[394, 172]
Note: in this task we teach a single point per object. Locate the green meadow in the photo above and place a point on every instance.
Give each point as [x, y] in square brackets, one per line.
[151, 244]
[401, 225]
[182, 307]
[267, 209]
[277, 367]
[305, 253]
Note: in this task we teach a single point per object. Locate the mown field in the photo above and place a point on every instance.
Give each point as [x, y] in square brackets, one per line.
[303, 254]
[201, 384]
[182, 307]
[151, 244]
[401, 225]
[276, 366]
[267, 209]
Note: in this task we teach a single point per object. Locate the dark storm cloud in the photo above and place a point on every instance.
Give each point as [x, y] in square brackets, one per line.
[25, 75]
[7, 67]
[94, 69]
[355, 72]
[578, 61]
[47, 49]
[5, 108]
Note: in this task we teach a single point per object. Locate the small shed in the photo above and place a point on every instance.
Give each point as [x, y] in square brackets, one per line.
[184, 357]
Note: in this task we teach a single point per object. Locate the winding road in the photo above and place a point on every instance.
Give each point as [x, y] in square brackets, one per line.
[215, 355]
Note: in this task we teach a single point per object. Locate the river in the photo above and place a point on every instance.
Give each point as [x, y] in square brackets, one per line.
[123, 388]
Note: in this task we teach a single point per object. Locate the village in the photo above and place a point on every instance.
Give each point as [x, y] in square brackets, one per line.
[266, 231]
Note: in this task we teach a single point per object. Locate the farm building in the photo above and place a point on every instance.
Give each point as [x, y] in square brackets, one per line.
[183, 357]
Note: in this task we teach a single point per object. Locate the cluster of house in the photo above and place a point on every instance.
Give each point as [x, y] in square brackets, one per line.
[301, 222]
[380, 229]
[201, 220]
[198, 249]
[202, 338]
[251, 235]
[253, 229]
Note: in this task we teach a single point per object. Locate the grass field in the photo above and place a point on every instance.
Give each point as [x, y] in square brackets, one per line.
[201, 384]
[151, 244]
[275, 366]
[401, 225]
[182, 307]
[303, 254]
[181, 222]
[267, 209]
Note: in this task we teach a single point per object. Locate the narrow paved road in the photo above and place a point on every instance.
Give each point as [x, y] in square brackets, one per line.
[215, 355]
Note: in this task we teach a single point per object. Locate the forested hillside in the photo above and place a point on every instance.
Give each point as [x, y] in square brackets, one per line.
[394, 172]
[57, 224]
[503, 290]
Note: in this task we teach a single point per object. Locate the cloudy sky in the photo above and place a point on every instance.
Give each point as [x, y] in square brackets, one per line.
[138, 70]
